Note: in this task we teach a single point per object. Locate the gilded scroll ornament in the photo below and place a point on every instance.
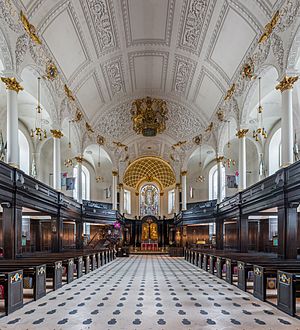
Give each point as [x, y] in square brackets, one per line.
[230, 93]
[248, 70]
[178, 144]
[209, 127]
[56, 133]
[100, 140]
[12, 84]
[30, 29]
[69, 93]
[89, 128]
[269, 28]
[51, 71]
[286, 83]
[78, 116]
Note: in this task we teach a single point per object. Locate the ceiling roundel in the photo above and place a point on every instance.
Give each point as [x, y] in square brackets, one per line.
[149, 169]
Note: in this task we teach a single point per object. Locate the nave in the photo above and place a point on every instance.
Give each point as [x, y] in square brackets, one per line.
[149, 292]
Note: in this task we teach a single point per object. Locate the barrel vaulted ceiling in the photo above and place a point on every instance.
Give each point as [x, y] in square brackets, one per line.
[187, 52]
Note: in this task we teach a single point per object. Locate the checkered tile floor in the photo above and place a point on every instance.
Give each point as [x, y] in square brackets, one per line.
[149, 292]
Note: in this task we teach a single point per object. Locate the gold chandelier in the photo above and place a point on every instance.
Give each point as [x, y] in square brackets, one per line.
[38, 130]
[69, 160]
[260, 132]
[149, 116]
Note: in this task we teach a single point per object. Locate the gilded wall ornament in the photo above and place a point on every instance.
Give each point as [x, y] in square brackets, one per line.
[12, 84]
[248, 70]
[56, 133]
[89, 128]
[78, 116]
[178, 144]
[198, 139]
[241, 133]
[100, 140]
[286, 83]
[221, 115]
[120, 145]
[269, 27]
[209, 127]
[30, 29]
[51, 71]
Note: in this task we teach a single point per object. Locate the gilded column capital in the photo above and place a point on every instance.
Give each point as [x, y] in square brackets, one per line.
[121, 186]
[219, 159]
[12, 84]
[57, 133]
[114, 173]
[241, 133]
[286, 83]
[177, 186]
[183, 173]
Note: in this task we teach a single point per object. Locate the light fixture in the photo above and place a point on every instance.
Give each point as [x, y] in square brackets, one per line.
[38, 131]
[69, 161]
[149, 116]
[228, 161]
[260, 132]
[198, 141]
[100, 142]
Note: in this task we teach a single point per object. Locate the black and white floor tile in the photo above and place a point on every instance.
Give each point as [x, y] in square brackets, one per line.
[149, 292]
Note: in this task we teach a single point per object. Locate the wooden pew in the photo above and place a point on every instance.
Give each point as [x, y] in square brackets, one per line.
[12, 282]
[288, 290]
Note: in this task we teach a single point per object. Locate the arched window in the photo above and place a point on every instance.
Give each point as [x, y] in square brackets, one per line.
[24, 153]
[127, 201]
[213, 182]
[85, 182]
[149, 200]
[171, 201]
[275, 152]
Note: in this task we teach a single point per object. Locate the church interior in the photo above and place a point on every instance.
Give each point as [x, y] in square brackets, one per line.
[149, 164]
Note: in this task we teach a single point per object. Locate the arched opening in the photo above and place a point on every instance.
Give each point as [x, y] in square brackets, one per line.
[149, 200]
[86, 182]
[24, 152]
[213, 182]
[275, 152]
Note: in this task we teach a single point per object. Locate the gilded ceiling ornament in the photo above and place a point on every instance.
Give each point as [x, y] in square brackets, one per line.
[100, 140]
[30, 29]
[51, 71]
[219, 159]
[221, 115]
[149, 116]
[120, 145]
[78, 116]
[209, 127]
[178, 144]
[12, 84]
[89, 128]
[198, 139]
[229, 93]
[248, 70]
[241, 133]
[69, 93]
[56, 133]
[286, 83]
[269, 27]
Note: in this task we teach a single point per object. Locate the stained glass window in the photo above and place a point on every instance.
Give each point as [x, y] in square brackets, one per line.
[149, 200]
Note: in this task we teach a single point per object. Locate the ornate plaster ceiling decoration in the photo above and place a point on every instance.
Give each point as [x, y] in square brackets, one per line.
[149, 169]
[109, 52]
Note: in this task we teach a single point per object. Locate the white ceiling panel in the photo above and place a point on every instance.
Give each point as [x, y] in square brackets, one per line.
[64, 42]
[89, 97]
[148, 19]
[234, 38]
[208, 96]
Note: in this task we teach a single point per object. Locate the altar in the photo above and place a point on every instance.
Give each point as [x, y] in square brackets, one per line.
[149, 246]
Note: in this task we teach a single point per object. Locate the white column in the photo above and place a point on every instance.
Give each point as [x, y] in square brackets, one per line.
[79, 179]
[57, 134]
[121, 206]
[176, 202]
[114, 189]
[287, 131]
[220, 196]
[241, 134]
[13, 88]
[183, 190]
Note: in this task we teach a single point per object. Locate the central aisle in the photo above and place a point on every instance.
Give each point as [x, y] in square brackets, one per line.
[149, 292]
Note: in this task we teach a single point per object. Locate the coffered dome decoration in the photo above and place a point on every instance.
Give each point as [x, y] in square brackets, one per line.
[149, 169]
